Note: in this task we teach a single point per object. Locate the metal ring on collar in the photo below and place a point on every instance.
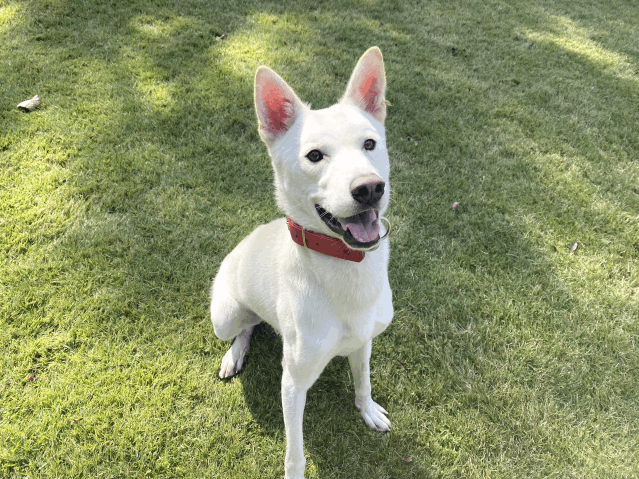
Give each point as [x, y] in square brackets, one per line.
[388, 228]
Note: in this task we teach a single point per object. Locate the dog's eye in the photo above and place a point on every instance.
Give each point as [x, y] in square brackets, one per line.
[369, 144]
[315, 156]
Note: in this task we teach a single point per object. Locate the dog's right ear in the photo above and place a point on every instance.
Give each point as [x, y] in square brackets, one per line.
[276, 104]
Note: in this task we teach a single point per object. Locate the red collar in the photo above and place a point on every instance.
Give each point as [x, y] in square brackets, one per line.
[323, 244]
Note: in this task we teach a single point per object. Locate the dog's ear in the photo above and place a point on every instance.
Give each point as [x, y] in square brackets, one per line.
[367, 85]
[276, 104]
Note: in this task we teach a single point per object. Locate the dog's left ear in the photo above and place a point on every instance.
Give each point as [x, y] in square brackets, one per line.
[367, 85]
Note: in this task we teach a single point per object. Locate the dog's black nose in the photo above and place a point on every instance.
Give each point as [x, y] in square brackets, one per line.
[367, 189]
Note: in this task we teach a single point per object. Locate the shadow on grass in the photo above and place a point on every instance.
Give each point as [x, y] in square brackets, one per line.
[262, 377]
[150, 133]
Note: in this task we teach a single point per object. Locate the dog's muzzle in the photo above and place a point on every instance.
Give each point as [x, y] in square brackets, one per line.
[356, 231]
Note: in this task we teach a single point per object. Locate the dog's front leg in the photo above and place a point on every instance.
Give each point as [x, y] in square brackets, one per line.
[374, 415]
[293, 402]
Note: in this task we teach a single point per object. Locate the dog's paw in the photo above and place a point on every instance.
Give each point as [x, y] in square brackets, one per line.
[373, 414]
[231, 365]
[234, 358]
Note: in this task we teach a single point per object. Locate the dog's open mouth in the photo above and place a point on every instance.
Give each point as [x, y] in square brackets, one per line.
[358, 231]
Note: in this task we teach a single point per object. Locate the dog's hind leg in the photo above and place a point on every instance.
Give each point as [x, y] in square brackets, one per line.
[234, 358]
[231, 320]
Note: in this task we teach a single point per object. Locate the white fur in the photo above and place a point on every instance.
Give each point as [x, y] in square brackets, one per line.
[322, 306]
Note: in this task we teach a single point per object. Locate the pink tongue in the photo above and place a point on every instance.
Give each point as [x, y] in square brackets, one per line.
[364, 227]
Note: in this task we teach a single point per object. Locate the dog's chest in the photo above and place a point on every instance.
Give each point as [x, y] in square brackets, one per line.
[360, 301]
[352, 339]
[357, 329]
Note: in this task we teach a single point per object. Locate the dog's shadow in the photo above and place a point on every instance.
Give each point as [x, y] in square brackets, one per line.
[332, 395]
[261, 377]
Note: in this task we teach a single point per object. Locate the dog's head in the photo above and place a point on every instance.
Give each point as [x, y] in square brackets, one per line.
[331, 166]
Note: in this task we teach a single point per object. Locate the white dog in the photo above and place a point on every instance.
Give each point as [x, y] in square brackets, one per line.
[320, 276]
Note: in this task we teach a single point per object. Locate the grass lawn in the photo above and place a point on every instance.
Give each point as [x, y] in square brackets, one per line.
[510, 355]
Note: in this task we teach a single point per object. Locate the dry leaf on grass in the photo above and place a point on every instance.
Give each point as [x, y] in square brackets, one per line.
[30, 105]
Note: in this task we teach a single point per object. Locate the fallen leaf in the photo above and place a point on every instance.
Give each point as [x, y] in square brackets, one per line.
[30, 105]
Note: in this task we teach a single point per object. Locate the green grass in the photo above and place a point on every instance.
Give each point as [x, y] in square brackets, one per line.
[509, 356]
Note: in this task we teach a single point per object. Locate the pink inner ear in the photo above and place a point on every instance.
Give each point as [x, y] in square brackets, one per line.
[369, 92]
[278, 109]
